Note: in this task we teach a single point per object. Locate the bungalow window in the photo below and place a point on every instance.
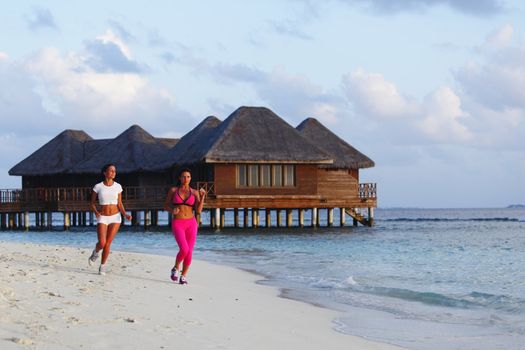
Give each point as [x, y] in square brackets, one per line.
[266, 175]
[242, 175]
[289, 175]
[253, 175]
[277, 178]
[276, 175]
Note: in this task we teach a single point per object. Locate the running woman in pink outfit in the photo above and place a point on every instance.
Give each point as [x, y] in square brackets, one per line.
[182, 201]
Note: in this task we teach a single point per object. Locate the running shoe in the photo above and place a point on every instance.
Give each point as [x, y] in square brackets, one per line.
[183, 280]
[174, 277]
[102, 270]
[93, 257]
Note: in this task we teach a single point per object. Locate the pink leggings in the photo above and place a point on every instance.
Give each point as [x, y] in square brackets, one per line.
[185, 233]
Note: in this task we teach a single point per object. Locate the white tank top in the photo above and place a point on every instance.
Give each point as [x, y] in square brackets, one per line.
[107, 194]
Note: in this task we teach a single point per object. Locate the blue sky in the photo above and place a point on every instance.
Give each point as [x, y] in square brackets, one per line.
[432, 90]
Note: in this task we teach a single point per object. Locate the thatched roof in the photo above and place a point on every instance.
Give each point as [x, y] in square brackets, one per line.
[133, 150]
[250, 134]
[57, 156]
[256, 134]
[192, 147]
[345, 156]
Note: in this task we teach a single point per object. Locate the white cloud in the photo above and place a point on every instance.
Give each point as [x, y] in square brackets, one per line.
[372, 95]
[443, 116]
[64, 88]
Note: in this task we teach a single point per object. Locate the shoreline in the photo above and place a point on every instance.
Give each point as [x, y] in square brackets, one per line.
[51, 298]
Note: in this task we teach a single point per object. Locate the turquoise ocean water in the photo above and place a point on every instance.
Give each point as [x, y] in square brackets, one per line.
[420, 278]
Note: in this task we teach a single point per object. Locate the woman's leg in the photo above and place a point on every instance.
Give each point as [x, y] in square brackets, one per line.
[102, 231]
[191, 237]
[178, 227]
[112, 230]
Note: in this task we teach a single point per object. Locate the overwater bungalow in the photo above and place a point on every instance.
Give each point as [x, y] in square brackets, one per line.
[252, 163]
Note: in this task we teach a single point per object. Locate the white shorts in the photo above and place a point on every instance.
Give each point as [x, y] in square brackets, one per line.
[111, 219]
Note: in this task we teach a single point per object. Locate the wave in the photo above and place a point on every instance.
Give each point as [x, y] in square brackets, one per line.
[504, 219]
[466, 301]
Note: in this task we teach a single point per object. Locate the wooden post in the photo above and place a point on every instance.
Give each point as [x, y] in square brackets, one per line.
[91, 218]
[254, 217]
[301, 217]
[212, 219]
[217, 220]
[236, 217]
[11, 223]
[279, 218]
[330, 217]
[3, 220]
[371, 216]
[223, 217]
[314, 217]
[342, 216]
[147, 219]
[66, 221]
[289, 218]
[26, 220]
[268, 221]
[245, 217]
[49, 219]
[42, 219]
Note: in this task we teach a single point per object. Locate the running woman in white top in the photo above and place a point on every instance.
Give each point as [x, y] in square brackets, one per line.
[109, 195]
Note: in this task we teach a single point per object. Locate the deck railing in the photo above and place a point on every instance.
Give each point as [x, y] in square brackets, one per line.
[84, 193]
[366, 191]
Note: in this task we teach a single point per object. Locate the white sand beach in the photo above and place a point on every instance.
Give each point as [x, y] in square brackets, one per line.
[51, 299]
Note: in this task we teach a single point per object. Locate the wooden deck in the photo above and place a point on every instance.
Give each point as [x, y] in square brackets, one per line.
[152, 198]
[16, 204]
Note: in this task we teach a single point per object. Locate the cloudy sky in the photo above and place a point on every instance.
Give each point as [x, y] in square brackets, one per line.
[432, 90]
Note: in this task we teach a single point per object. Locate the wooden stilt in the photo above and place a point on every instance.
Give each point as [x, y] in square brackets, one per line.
[217, 218]
[301, 217]
[3, 220]
[49, 219]
[268, 218]
[342, 216]
[26, 220]
[314, 217]
[330, 220]
[66, 221]
[289, 218]
[371, 216]
[223, 217]
[236, 217]
[279, 218]
[245, 217]
[254, 217]
[147, 219]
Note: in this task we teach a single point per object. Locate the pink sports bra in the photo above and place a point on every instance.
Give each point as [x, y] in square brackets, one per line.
[178, 200]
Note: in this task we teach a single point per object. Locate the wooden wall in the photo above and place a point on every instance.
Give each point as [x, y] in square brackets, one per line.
[337, 183]
[305, 179]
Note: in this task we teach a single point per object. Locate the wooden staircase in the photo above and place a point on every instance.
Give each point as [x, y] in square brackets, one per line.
[359, 217]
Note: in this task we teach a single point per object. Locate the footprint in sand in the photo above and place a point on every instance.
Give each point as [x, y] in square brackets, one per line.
[21, 341]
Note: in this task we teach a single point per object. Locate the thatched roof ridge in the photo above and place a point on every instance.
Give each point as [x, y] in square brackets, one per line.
[192, 147]
[345, 156]
[133, 150]
[256, 134]
[55, 157]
